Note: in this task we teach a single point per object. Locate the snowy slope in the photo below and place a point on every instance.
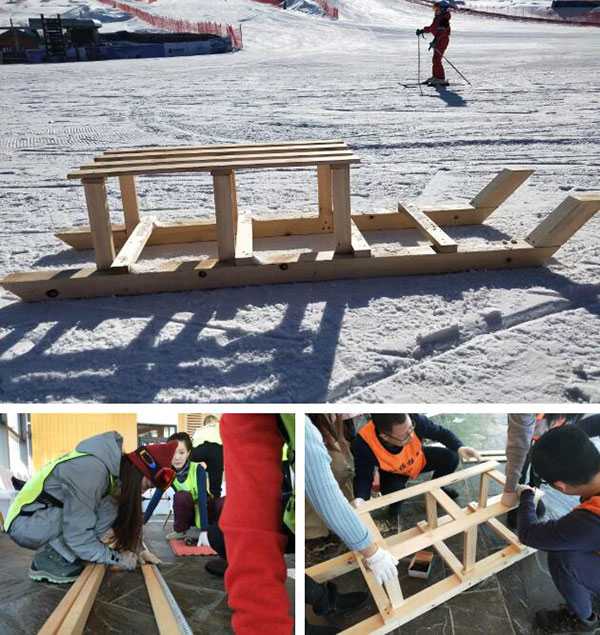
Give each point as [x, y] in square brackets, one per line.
[522, 335]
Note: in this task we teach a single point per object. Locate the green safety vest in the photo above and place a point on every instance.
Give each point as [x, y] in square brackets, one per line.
[191, 485]
[287, 428]
[34, 486]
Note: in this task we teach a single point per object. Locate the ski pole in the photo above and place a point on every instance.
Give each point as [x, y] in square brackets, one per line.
[456, 69]
[419, 64]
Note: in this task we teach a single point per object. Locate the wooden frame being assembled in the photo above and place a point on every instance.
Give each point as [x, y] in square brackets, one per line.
[395, 610]
[71, 614]
[117, 247]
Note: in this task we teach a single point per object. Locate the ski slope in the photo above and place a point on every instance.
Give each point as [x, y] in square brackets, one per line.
[528, 335]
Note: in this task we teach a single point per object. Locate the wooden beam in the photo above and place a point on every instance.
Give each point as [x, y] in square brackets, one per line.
[97, 206]
[130, 202]
[431, 510]
[76, 618]
[441, 241]
[243, 240]
[53, 623]
[325, 197]
[224, 209]
[484, 488]
[565, 220]
[447, 503]
[501, 187]
[340, 189]
[284, 268]
[497, 476]
[131, 250]
[360, 247]
[163, 614]
[449, 558]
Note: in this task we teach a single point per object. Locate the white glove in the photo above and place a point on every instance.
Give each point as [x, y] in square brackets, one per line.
[383, 565]
[510, 499]
[126, 560]
[203, 539]
[465, 452]
[146, 556]
[357, 502]
[537, 493]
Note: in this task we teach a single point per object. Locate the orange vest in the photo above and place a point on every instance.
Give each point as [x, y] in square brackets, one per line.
[542, 426]
[592, 504]
[410, 462]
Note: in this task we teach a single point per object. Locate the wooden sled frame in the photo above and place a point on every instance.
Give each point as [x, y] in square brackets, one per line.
[395, 610]
[350, 255]
[72, 612]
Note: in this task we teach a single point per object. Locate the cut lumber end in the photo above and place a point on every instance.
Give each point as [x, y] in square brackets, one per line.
[501, 187]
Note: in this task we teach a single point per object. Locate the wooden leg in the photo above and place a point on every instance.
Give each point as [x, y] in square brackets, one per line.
[95, 196]
[234, 205]
[130, 202]
[224, 208]
[325, 200]
[340, 187]
[431, 509]
[484, 486]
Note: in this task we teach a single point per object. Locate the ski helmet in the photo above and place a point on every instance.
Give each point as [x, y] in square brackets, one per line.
[442, 4]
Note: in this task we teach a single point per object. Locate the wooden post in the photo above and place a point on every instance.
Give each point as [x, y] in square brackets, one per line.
[130, 202]
[484, 486]
[234, 202]
[431, 509]
[340, 187]
[95, 196]
[565, 220]
[225, 207]
[325, 197]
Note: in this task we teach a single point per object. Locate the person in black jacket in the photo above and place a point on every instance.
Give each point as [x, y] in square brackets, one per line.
[393, 444]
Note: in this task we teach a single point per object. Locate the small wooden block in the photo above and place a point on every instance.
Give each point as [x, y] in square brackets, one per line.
[360, 246]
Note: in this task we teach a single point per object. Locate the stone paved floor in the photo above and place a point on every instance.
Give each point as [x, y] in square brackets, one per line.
[505, 603]
[122, 604]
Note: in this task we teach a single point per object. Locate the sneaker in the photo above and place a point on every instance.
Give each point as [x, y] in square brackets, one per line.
[49, 565]
[451, 492]
[193, 533]
[216, 567]
[562, 620]
[175, 535]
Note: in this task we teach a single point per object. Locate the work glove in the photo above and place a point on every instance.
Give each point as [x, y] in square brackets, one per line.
[147, 557]
[420, 32]
[510, 499]
[383, 565]
[465, 452]
[537, 493]
[125, 560]
[357, 502]
[203, 539]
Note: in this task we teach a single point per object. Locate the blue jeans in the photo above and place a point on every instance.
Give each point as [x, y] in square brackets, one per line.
[576, 575]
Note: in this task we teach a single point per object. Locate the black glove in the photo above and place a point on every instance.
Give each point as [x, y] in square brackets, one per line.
[420, 32]
[433, 43]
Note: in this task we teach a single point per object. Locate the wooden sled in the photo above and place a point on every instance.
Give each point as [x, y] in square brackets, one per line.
[395, 610]
[117, 247]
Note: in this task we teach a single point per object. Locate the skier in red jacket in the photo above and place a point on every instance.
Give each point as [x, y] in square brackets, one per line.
[440, 29]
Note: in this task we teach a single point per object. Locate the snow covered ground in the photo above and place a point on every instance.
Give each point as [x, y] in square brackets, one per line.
[507, 336]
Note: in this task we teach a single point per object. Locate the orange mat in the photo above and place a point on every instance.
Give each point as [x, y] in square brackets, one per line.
[181, 549]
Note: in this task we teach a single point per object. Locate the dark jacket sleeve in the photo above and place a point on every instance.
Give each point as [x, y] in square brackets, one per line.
[364, 468]
[590, 424]
[201, 487]
[152, 504]
[427, 429]
[579, 530]
[212, 455]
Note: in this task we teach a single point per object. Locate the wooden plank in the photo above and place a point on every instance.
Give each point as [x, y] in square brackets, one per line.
[243, 240]
[215, 151]
[101, 229]
[131, 250]
[447, 503]
[501, 187]
[76, 618]
[441, 241]
[333, 159]
[325, 197]
[249, 146]
[500, 458]
[565, 220]
[497, 476]
[340, 189]
[163, 614]
[393, 586]
[431, 510]
[53, 623]
[426, 486]
[470, 548]
[449, 558]
[360, 247]
[224, 207]
[130, 202]
[484, 487]
[189, 275]
[382, 601]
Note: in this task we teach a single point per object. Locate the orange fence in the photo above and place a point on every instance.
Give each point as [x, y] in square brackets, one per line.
[179, 25]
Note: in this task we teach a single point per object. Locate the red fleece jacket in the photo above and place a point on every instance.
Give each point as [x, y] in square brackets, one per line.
[252, 522]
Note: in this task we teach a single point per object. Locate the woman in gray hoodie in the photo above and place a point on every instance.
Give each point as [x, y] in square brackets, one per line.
[87, 506]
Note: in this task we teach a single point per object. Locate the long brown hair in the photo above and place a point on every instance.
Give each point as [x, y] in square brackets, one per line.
[333, 430]
[129, 522]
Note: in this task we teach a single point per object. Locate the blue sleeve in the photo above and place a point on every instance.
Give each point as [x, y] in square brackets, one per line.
[201, 486]
[577, 531]
[425, 428]
[324, 493]
[154, 501]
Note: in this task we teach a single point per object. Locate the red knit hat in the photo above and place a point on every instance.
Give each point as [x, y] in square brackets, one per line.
[154, 461]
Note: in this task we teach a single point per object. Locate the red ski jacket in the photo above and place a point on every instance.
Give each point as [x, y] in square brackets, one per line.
[440, 26]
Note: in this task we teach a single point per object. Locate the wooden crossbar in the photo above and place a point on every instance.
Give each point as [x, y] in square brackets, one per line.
[440, 239]
[132, 249]
[395, 610]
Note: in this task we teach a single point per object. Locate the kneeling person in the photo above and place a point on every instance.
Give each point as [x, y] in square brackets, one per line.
[393, 443]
